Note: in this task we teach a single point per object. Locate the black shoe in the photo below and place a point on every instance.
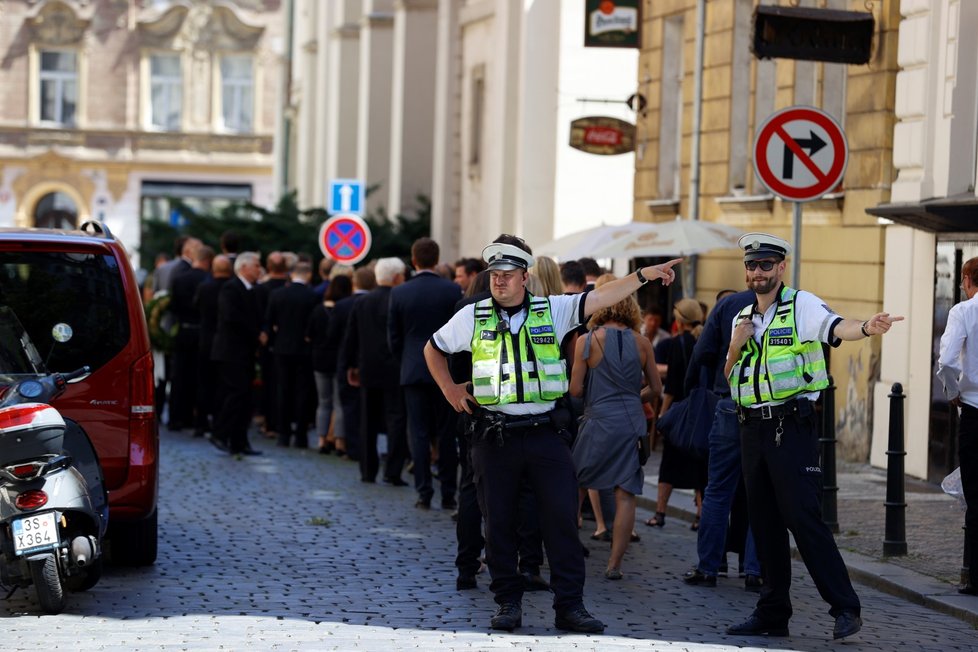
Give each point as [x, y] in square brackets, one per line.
[754, 626]
[423, 504]
[696, 577]
[534, 582]
[968, 589]
[577, 619]
[847, 624]
[449, 503]
[395, 482]
[509, 616]
[465, 583]
[249, 451]
[753, 584]
[218, 444]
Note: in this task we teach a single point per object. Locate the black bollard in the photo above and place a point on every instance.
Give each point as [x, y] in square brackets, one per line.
[830, 490]
[895, 535]
[965, 571]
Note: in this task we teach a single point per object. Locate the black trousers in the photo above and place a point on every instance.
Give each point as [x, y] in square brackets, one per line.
[382, 410]
[784, 486]
[968, 459]
[293, 398]
[235, 403]
[350, 408]
[540, 459]
[468, 526]
[184, 376]
[430, 418]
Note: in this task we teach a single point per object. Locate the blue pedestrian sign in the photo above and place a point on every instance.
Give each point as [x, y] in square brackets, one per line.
[345, 196]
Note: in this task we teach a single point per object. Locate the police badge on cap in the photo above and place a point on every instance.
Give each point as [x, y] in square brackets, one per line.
[763, 245]
[504, 256]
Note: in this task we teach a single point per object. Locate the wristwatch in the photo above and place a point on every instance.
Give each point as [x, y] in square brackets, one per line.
[638, 275]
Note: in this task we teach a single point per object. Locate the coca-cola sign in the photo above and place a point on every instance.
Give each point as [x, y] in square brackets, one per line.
[602, 135]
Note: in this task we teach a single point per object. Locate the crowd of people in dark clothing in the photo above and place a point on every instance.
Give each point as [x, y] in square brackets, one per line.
[340, 352]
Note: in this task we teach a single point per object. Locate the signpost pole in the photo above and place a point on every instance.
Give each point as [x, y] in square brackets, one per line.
[796, 254]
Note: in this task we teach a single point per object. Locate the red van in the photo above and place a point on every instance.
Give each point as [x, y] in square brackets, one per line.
[84, 279]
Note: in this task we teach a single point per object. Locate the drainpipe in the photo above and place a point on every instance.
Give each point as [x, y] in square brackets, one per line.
[285, 149]
[694, 172]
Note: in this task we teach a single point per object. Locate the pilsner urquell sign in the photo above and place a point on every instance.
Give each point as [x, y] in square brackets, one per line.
[602, 135]
[612, 23]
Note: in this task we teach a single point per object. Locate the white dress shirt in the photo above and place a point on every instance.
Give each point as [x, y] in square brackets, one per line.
[957, 367]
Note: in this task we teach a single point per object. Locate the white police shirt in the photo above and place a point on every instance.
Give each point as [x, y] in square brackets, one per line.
[456, 336]
[814, 322]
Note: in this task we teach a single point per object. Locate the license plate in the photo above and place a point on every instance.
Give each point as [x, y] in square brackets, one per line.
[35, 532]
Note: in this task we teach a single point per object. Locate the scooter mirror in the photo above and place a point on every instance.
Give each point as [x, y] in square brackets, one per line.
[62, 332]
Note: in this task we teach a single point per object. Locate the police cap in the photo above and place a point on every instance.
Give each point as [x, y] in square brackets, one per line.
[763, 245]
[505, 256]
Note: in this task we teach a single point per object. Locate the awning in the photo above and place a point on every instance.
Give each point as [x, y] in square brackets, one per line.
[955, 214]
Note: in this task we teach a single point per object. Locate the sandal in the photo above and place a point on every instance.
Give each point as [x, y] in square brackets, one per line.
[634, 537]
[602, 536]
[658, 520]
[695, 525]
[613, 574]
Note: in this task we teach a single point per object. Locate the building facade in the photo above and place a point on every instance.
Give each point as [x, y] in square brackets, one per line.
[935, 208]
[466, 102]
[112, 108]
[842, 247]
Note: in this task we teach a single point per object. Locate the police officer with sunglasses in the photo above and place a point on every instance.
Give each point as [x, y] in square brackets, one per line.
[517, 377]
[776, 370]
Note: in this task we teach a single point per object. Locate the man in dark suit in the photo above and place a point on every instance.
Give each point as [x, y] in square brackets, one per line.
[187, 316]
[349, 396]
[277, 276]
[419, 308]
[206, 302]
[235, 344]
[373, 369]
[287, 316]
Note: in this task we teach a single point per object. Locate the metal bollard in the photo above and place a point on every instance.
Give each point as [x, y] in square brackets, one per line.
[895, 535]
[830, 490]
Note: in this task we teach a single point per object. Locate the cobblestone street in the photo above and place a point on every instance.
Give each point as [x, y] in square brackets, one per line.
[290, 551]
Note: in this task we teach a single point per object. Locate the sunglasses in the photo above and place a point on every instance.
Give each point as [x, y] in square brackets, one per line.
[765, 265]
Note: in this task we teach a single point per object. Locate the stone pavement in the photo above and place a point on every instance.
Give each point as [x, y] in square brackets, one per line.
[928, 574]
[290, 551]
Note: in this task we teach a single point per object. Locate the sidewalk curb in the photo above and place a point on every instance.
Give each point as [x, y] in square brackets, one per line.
[888, 578]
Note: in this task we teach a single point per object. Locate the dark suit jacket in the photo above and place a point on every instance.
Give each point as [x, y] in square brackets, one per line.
[419, 308]
[206, 302]
[182, 304]
[238, 323]
[366, 340]
[288, 315]
[339, 319]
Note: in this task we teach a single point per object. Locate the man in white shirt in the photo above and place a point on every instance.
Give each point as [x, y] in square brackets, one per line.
[958, 370]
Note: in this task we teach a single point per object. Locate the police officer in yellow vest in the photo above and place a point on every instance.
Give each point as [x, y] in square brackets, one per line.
[518, 436]
[776, 370]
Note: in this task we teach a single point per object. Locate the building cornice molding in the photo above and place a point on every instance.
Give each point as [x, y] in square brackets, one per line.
[57, 23]
[206, 26]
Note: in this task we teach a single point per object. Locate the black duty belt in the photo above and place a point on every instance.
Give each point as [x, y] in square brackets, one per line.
[512, 422]
[767, 412]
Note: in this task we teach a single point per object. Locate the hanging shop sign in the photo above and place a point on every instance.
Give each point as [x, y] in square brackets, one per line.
[602, 135]
[612, 23]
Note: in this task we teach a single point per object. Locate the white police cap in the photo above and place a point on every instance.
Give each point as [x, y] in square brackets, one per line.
[506, 256]
[763, 245]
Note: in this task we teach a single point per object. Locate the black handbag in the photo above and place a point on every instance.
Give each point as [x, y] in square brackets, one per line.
[687, 423]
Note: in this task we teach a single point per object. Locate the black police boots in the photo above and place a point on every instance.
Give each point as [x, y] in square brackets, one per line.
[508, 617]
[847, 624]
[577, 619]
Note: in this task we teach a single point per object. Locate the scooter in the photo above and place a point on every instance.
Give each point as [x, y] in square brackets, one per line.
[53, 511]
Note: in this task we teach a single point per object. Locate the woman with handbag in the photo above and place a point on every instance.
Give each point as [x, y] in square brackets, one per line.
[613, 357]
[678, 468]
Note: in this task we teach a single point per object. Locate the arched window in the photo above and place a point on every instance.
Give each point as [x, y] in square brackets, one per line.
[56, 210]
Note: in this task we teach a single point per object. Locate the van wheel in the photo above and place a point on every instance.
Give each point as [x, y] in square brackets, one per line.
[133, 543]
[47, 584]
